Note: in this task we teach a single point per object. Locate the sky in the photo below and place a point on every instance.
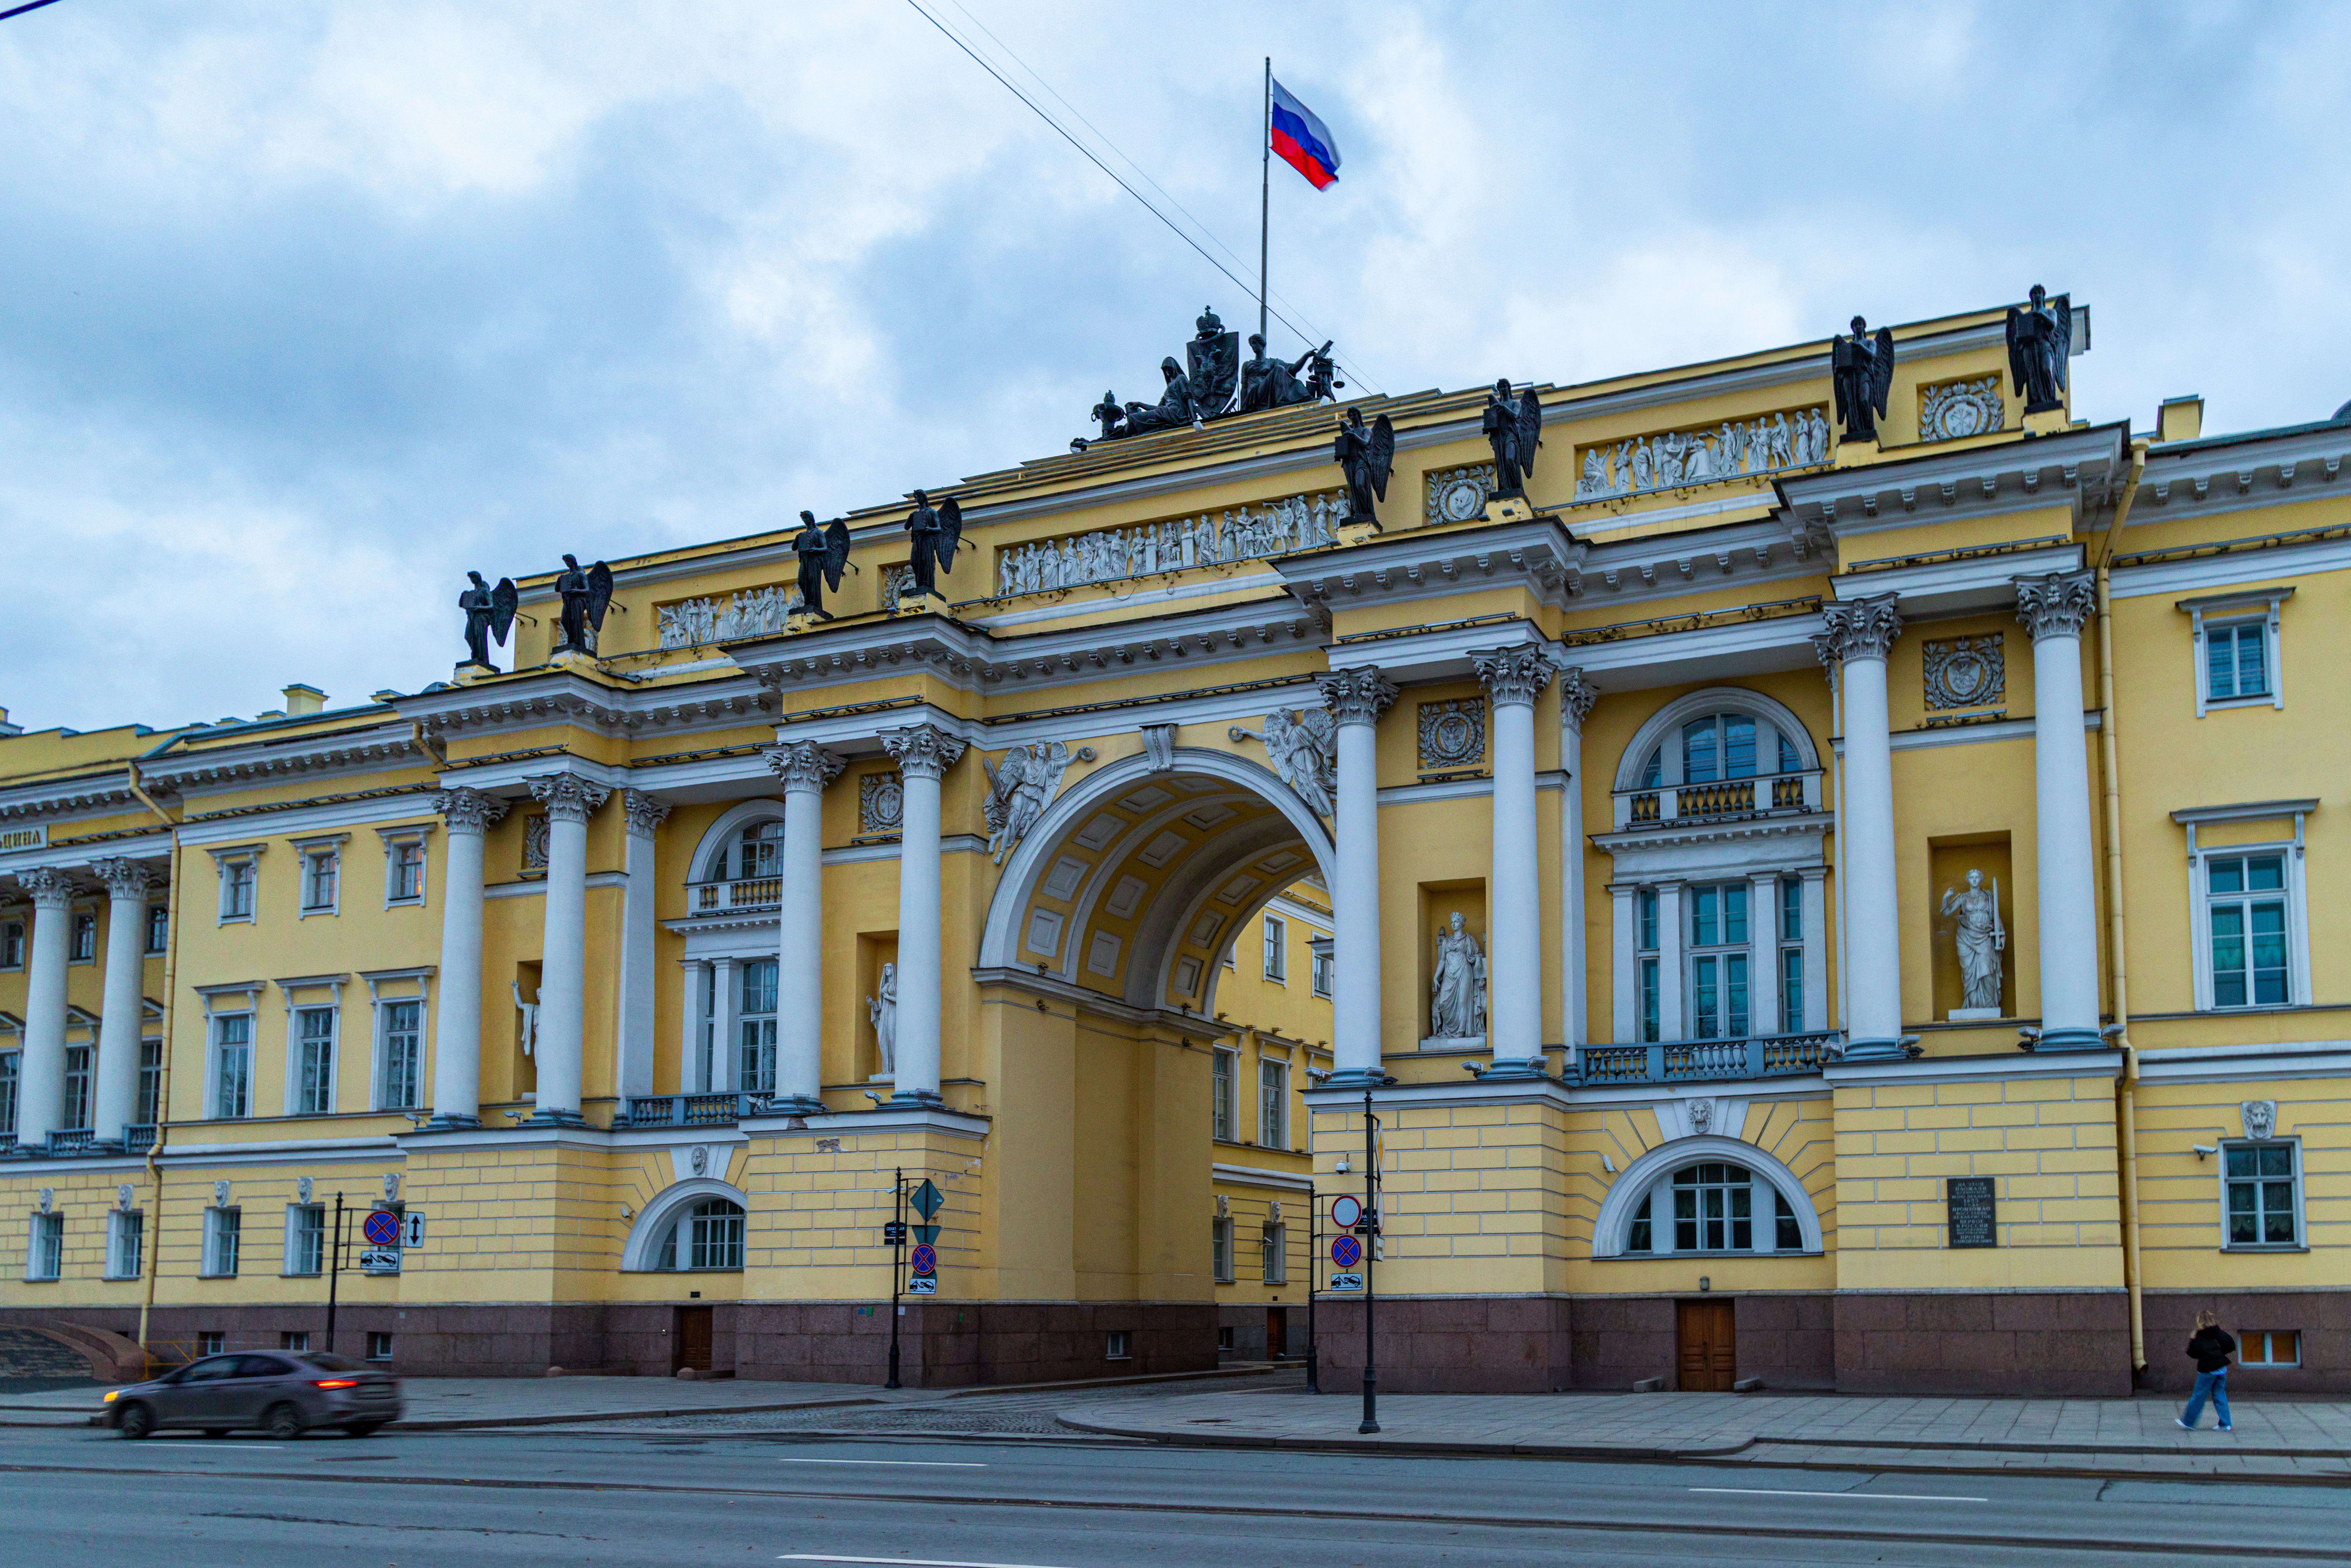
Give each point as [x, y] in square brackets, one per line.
[311, 307]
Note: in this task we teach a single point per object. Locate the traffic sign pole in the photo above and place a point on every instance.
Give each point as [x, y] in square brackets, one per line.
[334, 1272]
[1313, 1252]
[898, 1229]
[1370, 1422]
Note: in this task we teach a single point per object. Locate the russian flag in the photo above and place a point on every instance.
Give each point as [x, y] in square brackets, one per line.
[1302, 140]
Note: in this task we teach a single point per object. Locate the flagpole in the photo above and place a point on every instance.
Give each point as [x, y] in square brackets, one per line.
[1265, 192]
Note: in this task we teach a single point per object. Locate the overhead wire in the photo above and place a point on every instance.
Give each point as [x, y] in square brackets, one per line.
[1064, 132]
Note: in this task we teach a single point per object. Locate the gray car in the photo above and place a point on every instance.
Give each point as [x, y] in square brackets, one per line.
[283, 1393]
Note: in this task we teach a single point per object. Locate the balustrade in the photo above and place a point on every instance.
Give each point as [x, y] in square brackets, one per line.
[687, 1110]
[1789, 792]
[1706, 1060]
[743, 892]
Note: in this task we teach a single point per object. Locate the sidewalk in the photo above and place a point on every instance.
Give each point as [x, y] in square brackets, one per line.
[2304, 1441]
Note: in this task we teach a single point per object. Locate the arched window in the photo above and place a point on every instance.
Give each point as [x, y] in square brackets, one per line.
[1714, 1205]
[1718, 747]
[708, 1236]
[752, 853]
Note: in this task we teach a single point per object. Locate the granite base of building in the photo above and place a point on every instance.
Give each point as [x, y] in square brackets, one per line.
[1450, 1344]
[2320, 1320]
[1261, 1333]
[2038, 1344]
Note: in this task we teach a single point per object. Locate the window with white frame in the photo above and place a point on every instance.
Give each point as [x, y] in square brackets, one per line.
[313, 1065]
[1276, 949]
[756, 852]
[399, 1054]
[1791, 917]
[755, 1029]
[222, 1232]
[151, 1083]
[2235, 640]
[2236, 659]
[211, 1342]
[1713, 1205]
[126, 1237]
[708, 1235]
[1718, 747]
[1319, 946]
[1273, 1255]
[159, 930]
[44, 1249]
[83, 949]
[231, 1074]
[240, 877]
[2245, 919]
[8, 1061]
[2269, 1347]
[404, 866]
[1224, 1067]
[1717, 960]
[379, 1346]
[322, 875]
[78, 1087]
[1220, 1249]
[12, 944]
[306, 1239]
[2260, 1184]
[1645, 976]
[1273, 1104]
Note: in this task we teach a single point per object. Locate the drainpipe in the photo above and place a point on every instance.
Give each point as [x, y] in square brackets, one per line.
[151, 1244]
[2117, 975]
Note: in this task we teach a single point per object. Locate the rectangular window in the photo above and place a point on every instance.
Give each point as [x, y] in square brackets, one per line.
[85, 938]
[379, 1346]
[1644, 940]
[1791, 909]
[297, 1340]
[223, 1227]
[159, 930]
[211, 1342]
[715, 1240]
[1791, 990]
[2264, 1198]
[1321, 948]
[1221, 1089]
[1114, 1346]
[2236, 659]
[321, 871]
[232, 1065]
[306, 1239]
[404, 874]
[402, 1023]
[9, 1090]
[12, 944]
[756, 1029]
[1273, 1104]
[1220, 1249]
[1717, 978]
[1274, 1255]
[1277, 943]
[237, 880]
[125, 1244]
[1713, 1209]
[2269, 1347]
[1649, 1000]
[151, 1083]
[2246, 897]
[77, 1106]
[314, 1061]
[45, 1253]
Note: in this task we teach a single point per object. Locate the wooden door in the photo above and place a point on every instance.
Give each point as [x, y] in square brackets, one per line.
[1276, 1332]
[1709, 1362]
[693, 1338]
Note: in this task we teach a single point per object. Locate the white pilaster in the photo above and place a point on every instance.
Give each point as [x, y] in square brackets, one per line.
[1625, 967]
[1763, 949]
[726, 1005]
[693, 1075]
[1356, 699]
[457, 1025]
[1513, 679]
[119, 1029]
[805, 769]
[1671, 941]
[1817, 948]
[923, 752]
[1858, 634]
[634, 1043]
[41, 1067]
[1576, 696]
[569, 801]
[2052, 608]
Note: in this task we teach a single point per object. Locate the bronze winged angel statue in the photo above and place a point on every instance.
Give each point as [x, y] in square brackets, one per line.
[1513, 429]
[1863, 371]
[823, 551]
[1365, 454]
[2040, 341]
[586, 595]
[938, 531]
[489, 613]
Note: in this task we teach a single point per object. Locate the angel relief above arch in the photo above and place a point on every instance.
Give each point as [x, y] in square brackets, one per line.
[1303, 746]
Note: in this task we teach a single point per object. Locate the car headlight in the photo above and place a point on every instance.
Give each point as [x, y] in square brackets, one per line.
[110, 1395]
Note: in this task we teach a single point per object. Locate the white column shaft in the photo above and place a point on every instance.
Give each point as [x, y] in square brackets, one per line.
[41, 1068]
[693, 1074]
[725, 1009]
[457, 1024]
[1873, 956]
[1671, 1024]
[118, 1026]
[1763, 948]
[639, 922]
[2067, 869]
[1571, 950]
[1355, 905]
[1514, 910]
[562, 968]
[918, 938]
[800, 990]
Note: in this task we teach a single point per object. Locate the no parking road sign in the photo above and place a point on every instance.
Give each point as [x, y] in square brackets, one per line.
[382, 1227]
[1346, 1213]
[1346, 1252]
[925, 1260]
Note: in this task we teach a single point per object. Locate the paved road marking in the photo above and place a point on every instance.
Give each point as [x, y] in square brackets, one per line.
[216, 1447]
[902, 1562]
[902, 1464]
[1889, 1496]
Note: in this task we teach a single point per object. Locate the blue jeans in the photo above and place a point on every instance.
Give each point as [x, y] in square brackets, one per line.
[2212, 1385]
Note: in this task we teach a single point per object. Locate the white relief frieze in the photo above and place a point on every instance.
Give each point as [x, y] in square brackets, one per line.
[1108, 555]
[1735, 449]
[754, 612]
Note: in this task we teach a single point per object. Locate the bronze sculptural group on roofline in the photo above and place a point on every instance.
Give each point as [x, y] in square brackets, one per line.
[1214, 381]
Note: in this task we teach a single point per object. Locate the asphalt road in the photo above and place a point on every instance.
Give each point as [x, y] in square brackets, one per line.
[542, 1496]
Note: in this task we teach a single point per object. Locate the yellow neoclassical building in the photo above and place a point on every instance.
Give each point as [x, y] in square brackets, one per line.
[1822, 880]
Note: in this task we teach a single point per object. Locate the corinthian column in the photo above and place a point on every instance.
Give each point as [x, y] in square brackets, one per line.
[570, 801]
[1513, 679]
[1855, 643]
[633, 1041]
[923, 752]
[2052, 608]
[118, 1030]
[1576, 696]
[805, 769]
[457, 1025]
[1356, 699]
[41, 1067]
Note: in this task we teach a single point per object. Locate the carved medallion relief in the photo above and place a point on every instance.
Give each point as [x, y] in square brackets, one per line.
[1452, 734]
[1966, 672]
[1954, 410]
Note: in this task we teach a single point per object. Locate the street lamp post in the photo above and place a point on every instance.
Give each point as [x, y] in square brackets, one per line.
[1370, 1422]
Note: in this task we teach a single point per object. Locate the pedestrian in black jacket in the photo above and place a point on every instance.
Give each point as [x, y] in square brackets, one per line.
[2211, 1349]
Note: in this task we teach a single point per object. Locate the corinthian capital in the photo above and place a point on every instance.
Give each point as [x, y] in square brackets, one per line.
[1576, 696]
[805, 765]
[123, 878]
[1513, 674]
[922, 750]
[2057, 604]
[46, 886]
[646, 813]
[1356, 696]
[1857, 629]
[568, 797]
[470, 811]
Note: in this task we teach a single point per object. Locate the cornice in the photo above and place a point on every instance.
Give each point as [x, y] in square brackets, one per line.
[2081, 468]
[1673, 835]
[87, 794]
[379, 747]
[2244, 473]
[1192, 1026]
[539, 698]
[1538, 553]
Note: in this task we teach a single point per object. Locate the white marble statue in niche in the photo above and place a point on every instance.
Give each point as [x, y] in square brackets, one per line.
[527, 1031]
[884, 1010]
[1457, 1006]
[1981, 938]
